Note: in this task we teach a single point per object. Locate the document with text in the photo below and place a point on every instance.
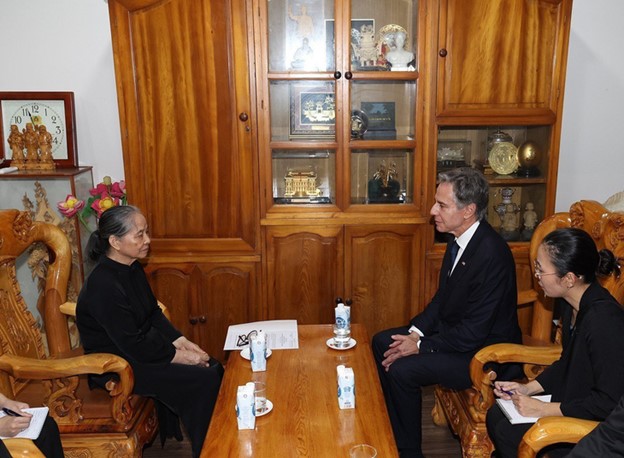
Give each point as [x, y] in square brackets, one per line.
[39, 415]
[510, 411]
[280, 334]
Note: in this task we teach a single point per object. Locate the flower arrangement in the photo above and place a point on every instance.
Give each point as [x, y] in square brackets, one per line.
[105, 195]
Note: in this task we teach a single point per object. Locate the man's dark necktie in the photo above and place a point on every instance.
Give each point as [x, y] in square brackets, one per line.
[454, 251]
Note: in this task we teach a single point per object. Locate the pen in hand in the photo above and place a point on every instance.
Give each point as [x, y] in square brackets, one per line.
[10, 412]
[509, 393]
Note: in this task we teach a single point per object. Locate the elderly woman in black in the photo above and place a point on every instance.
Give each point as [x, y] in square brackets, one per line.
[117, 313]
[588, 380]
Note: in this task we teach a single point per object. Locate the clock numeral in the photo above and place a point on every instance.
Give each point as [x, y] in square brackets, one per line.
[53, 118]
[35, 108]
[58, 130]
[17, 119]
[55, 139]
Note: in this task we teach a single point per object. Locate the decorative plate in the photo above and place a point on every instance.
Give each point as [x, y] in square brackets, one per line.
[503, 158]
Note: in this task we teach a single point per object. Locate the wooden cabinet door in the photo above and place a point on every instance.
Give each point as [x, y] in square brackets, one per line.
[502, 57]
[183, 83]
[304, 272]
[204, 299]
[382, 273]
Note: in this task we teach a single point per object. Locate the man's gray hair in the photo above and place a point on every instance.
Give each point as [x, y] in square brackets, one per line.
[469, 187]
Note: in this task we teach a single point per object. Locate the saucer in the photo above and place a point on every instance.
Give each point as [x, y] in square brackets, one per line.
[269, 407]
[330, 343]
[245, 353]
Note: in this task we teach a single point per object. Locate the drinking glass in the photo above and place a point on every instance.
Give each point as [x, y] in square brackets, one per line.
[362, 451]
[261, 400]
[342, 336]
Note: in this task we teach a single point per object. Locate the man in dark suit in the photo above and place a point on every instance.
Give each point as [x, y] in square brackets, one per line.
[475, 306]
[607, 440]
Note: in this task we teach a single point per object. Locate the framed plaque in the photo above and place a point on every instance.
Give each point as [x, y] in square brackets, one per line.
[312, 110]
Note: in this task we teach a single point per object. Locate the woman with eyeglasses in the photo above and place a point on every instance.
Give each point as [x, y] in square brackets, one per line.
[588, 380]
[117, 313]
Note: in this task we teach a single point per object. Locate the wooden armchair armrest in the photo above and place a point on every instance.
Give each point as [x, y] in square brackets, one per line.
[96, 363]
[504, 353]
[552, 430]
[22, 448]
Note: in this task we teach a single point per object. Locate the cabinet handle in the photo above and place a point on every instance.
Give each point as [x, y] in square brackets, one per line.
[202, 319]
[348, 302]
[443, 52]
[337, 74]
[193, 320]
[243, 116]
[348, 75]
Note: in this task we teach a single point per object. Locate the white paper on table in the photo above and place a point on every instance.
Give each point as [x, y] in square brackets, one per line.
[280, 334]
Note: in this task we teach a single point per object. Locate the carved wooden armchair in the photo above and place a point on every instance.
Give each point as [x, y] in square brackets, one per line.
[607, 230]
[553, 430]
[96, 423]
[465, 410]
[22, 448]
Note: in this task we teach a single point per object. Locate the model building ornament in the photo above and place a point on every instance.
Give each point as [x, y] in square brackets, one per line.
[301, 184]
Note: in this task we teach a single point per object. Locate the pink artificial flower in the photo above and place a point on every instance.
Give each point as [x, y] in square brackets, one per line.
[99, 190]
[118, 189]
[70, 206]
[104, 203]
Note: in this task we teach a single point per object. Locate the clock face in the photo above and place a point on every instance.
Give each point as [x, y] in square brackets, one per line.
[50, 113]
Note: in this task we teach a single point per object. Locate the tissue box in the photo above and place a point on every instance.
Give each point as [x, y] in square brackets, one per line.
[346, 387]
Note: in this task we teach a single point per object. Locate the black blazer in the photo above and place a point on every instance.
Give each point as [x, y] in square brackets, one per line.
[588, 379]
[476, 305]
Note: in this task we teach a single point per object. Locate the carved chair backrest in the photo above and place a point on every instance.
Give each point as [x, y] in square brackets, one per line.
[606, 229]
[19, 333]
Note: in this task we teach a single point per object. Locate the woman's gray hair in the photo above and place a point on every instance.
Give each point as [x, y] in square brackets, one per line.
[115, 221]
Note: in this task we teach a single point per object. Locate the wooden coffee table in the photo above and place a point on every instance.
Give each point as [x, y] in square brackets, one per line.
[305, 420]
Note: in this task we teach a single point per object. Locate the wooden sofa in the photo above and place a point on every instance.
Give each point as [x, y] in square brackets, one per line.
[93, 423]
[465, 410]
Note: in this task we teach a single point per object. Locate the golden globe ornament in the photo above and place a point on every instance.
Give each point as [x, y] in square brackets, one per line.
[529, 157]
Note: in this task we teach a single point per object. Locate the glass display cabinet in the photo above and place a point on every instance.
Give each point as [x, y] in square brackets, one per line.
[341, 79]
[39, 192]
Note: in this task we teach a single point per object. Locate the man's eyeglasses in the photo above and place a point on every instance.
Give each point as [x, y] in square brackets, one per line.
[243, 339]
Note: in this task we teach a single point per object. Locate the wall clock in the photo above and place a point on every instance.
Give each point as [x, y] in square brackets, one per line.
[55, 110]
